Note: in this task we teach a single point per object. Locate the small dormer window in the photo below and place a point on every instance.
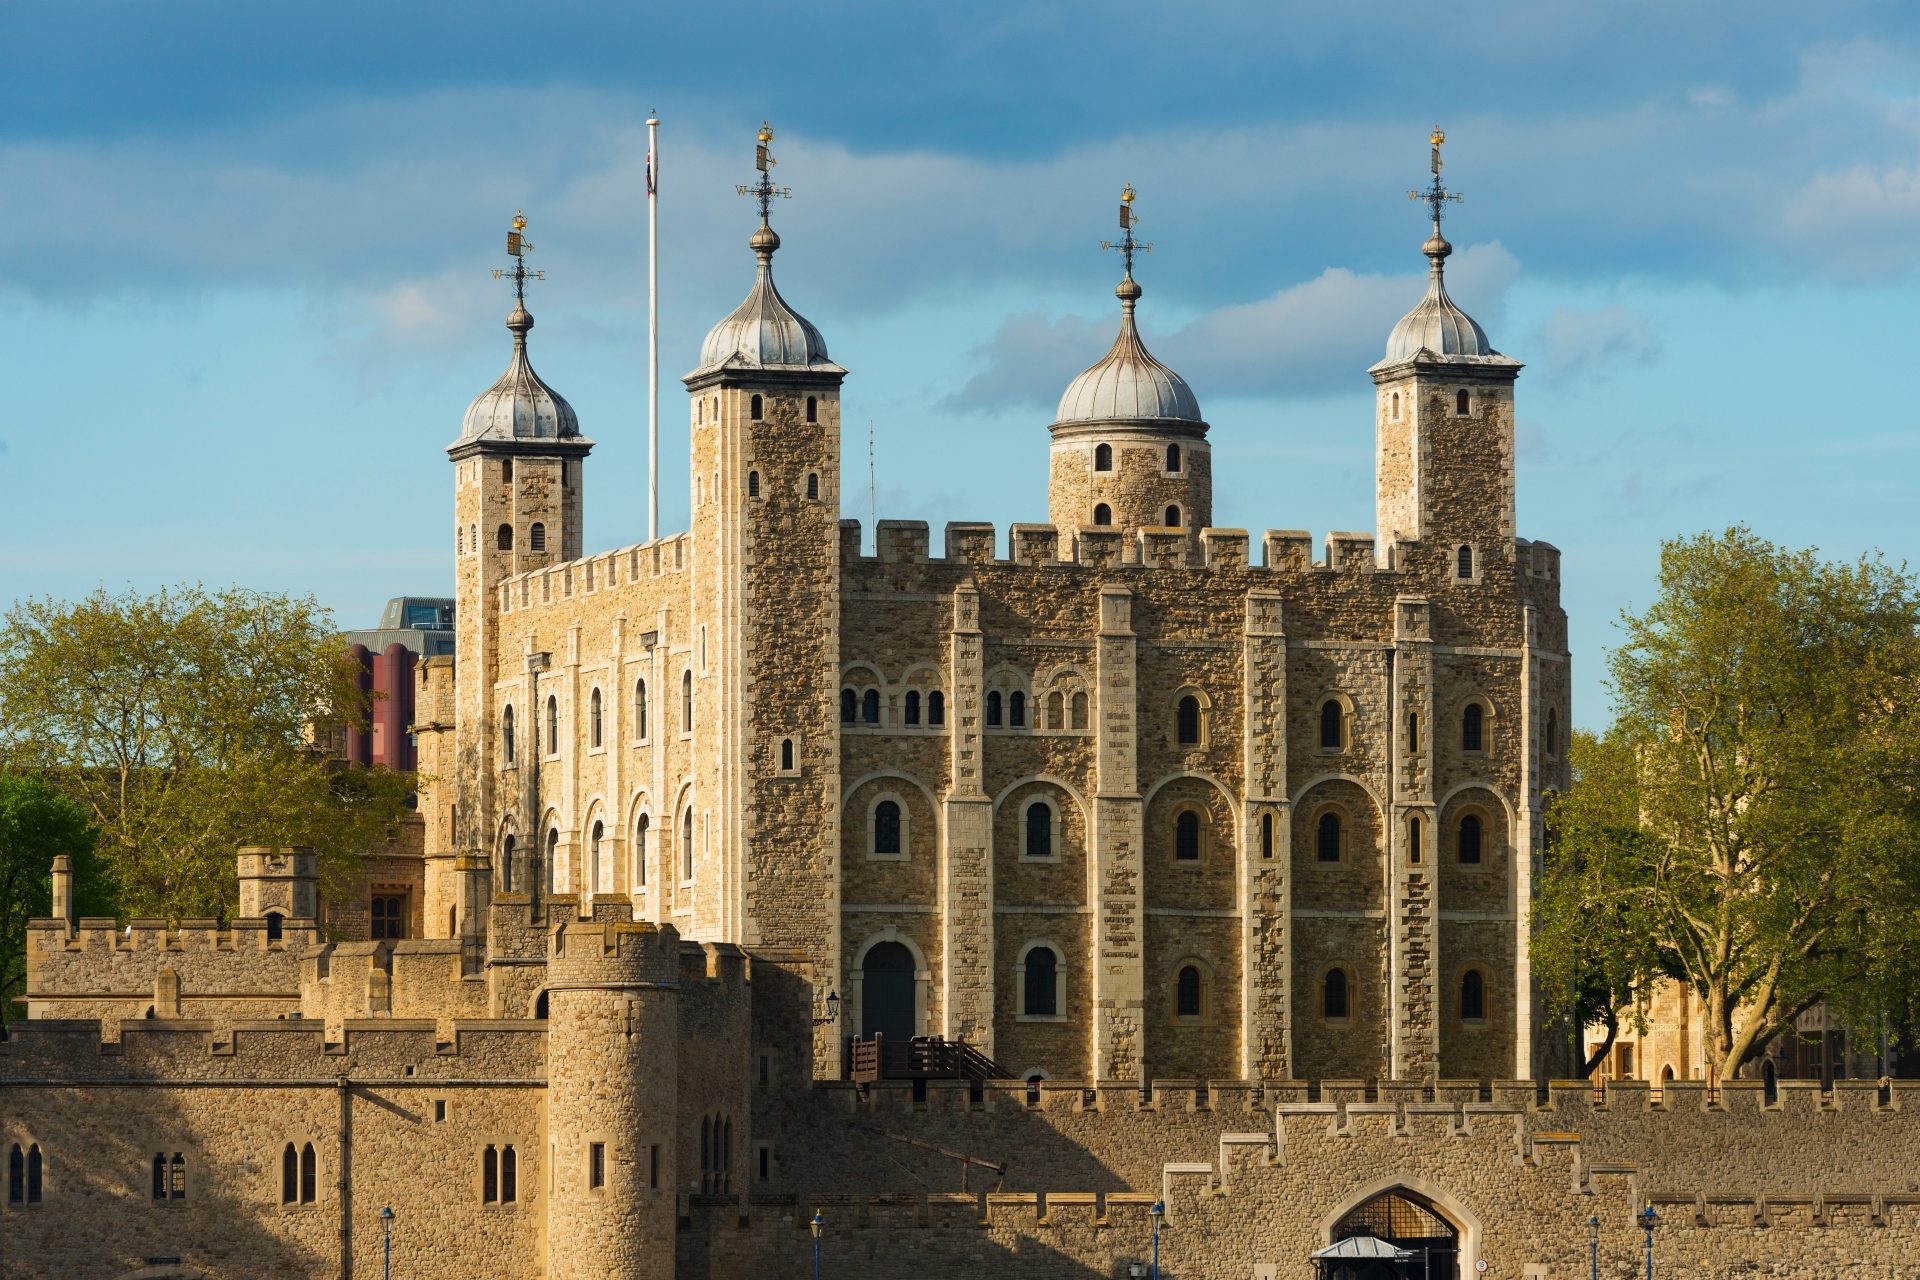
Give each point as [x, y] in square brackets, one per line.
[754, 407]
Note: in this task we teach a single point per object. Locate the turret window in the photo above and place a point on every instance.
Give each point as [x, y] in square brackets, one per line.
[1173, 459]
[594, 717]
[753, 484]
[506, 734]
[754, 407]
[1103, 457]
[503, 538]
[813, 409]
[1463, 562]
[460, 540]
[686, 702]
[640, 709]
[537, 537]
[1102, 515]
[786, 755]
[1394, 411]
[1461, 404]
[506, 470]
[1173, 517]
[813, 486]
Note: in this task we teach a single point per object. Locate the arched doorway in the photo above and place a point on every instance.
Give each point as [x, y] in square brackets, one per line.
[1397, 1235]
[886, 992]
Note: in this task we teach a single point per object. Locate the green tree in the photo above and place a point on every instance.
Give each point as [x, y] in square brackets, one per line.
[181, 722]
[1751, 822]
[38, 823]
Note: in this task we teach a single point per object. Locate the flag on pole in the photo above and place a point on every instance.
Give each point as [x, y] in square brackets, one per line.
[649, 175]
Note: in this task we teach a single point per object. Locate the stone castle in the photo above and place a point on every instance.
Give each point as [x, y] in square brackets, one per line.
[1126, 892]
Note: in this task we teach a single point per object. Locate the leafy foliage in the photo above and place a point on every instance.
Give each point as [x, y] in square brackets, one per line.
[37, 823]
[1752, 821]
[180, 723]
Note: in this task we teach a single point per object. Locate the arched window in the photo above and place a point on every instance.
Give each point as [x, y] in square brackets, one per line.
[506, 734]
[1394, 412]
[509, 1175]
[1473, 728]
[640, 709]
[1469, 842]
[1413, 733]
[16, 1174]
[537, 537]
[813, 486]
[160, 1177]
[686, 702]
[1056, 710]
[1769, 1084]
[506, 469]
[1266, 835]
[1040, 983]
[1552, 735]
[503, 538]
[1189, 992]
[1473, 996]
[1173, 517]
[886, 829]
[553, 726]
[289, 1175]
[599, 873]
[849, 701]
[276, 926]
[993, 708]
[506, 865]
[1327, 837]
[1017, 710]
[686, 844]
[1188, 721]
[1039, 842]
[1102, 514]
[1186, 836]
[1333, 995]
[753, 484]
[460, 539]
[813, 409]
[1413, 840]
[1460, 402]
[1463, 562]
[1333, 729]
[754, 408]
[642, 827]
[1079, 710]
[593, 716]
[870, 706]
[1173, 457]
[557, 878]
[913, 706]
[786, 755]
[936, 707]
[1103, 457]
[177, 1177]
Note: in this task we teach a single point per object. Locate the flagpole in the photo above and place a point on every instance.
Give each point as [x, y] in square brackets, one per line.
[653, 328]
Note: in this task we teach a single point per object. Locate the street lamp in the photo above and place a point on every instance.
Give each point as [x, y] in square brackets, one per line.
[833, 1010]
[818, 1225]
[1647, 1218]
[386, 1240]
[1593, 1245]
[1158, 1212]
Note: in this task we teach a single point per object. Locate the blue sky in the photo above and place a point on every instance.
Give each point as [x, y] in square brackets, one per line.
[244, 298]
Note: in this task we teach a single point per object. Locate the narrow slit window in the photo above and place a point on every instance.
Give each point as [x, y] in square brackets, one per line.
[593, 717]
[596, 1165]
[849, 700]
[813, 409]
[1413, 840]
[1188, 721]
[786, 754]
[640, 709]
[509, 1175]
[1473, 728]
[913, 706]
[489, 1176]
[309, 1174]
[1413, 733]
[553, 725]
[642, 828]
[993, 709]
[686, 845]
[16, 1174]
[1266, 835]
[1016, 710]
[686, 702]
[870, 707]
[753, 484]
[506, 734]
[813, 486]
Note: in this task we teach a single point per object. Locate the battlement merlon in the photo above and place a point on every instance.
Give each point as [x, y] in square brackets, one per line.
[607, 946]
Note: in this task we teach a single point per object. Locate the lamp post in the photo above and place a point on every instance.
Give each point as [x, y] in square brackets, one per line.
[1158, 1212]
[386, 1241]
[816, 1226]
[833, 1010]
[1647, 1218]
[1593, 1246]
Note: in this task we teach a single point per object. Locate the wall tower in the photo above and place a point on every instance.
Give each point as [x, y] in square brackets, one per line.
[1129, 446]
[517, 506]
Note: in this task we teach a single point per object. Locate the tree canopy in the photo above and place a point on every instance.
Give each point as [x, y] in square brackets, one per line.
[1751, 822]
[181, 723]
[37, 824]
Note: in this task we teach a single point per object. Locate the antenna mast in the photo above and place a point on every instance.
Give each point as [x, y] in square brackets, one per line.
[873, 492]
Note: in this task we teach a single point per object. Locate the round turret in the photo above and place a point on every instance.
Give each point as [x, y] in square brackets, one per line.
[1129, 445]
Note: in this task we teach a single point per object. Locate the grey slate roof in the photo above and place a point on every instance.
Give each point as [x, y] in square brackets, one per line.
[519, 406]
[764, 332]
[1128, 384]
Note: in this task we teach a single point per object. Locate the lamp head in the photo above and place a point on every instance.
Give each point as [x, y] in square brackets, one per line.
[1159, 1210]
[1648, 1217]
[386, 1213]
[817, 1224]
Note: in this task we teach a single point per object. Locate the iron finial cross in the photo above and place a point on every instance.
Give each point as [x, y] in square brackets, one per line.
[1126, 244]
[1437, 194]
[518, 247]
[763, 161]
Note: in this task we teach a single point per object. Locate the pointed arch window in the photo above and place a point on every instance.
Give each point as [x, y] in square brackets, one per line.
[1473, 996]
[509, 1175]
[537, 537]
[642, 828]
[506, 733]
[1173, 458]
[640, 709]
[594, 718]
[1470, 839]
[1335, 1000]
[1188, 721]
[25, 1176]
[1189, 992]
[553, 725]
[1186, 836]
[1473, 727]
[936, 707]
[1103, 457]
[1102, 515]
[686, 702]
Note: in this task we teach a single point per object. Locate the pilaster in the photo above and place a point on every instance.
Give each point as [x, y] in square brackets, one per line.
[1413, 1030]
[1265, 843]
[966, 850]
[1119, 977]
